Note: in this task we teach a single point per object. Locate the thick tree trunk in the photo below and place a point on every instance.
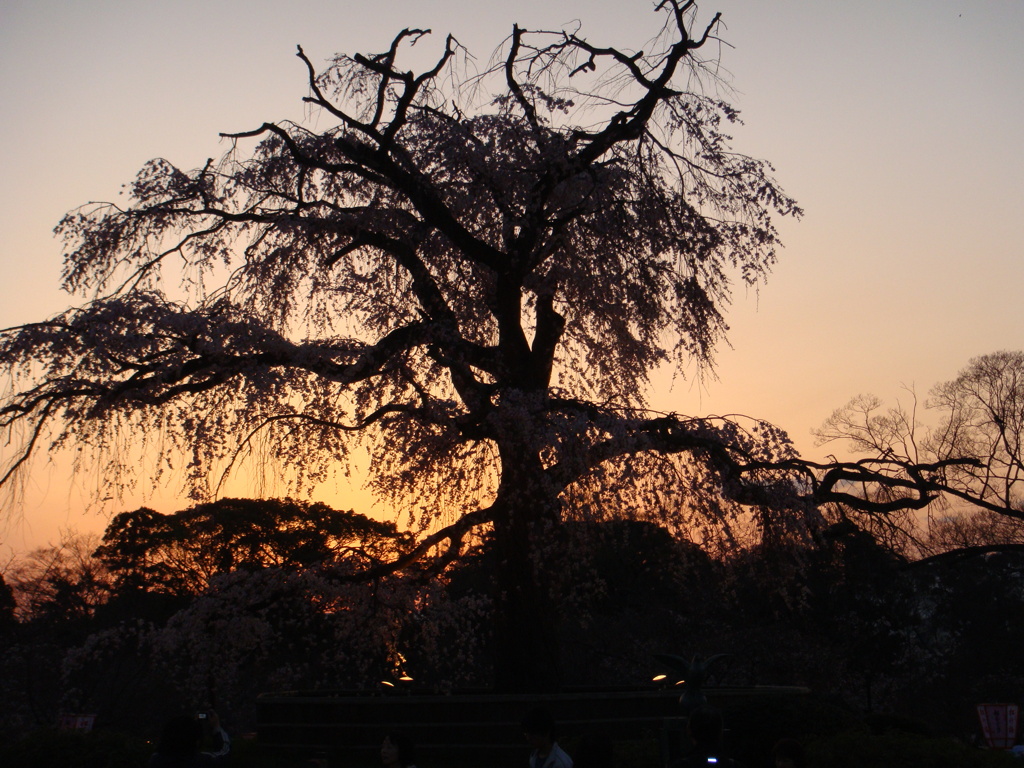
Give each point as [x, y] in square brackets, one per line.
[526, 637]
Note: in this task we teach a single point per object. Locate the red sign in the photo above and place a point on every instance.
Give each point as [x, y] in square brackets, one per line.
[999, 724]
[76, 722]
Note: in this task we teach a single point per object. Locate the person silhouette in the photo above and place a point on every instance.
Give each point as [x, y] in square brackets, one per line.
[539, 731]
[397, 751]
[706, 730]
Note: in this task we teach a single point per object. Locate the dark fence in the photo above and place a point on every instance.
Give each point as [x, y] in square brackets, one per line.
[466, 728]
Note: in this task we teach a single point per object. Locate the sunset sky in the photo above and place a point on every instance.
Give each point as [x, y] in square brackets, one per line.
[898, 125]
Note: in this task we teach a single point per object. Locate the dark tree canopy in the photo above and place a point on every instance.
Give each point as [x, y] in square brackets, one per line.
[179, 553]
[475, 275]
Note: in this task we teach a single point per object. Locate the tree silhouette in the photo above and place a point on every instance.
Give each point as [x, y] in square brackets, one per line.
[975, 444]
[62, 583]
[474, 274]
[179, 553]
[982, 412]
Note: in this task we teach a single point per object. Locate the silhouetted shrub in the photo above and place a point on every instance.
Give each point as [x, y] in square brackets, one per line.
[67, 749]
[863, 749]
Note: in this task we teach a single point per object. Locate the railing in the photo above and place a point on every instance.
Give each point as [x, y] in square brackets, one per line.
[465, 727]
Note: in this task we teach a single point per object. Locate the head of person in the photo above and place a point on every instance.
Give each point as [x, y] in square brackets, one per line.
[538, 728]
[397, 751]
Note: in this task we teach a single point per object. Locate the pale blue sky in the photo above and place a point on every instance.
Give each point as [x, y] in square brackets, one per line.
[897, 124]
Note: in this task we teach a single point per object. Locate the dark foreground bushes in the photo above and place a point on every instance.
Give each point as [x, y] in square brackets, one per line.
[863, 749]
[857, 746]
[69, 749]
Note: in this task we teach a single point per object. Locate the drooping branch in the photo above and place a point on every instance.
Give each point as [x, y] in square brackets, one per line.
[453, 533]
[360, 425]
[748, 474]
[163, 352]
[41, 413]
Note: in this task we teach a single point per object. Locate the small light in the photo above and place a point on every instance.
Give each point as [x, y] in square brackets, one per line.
[388, 684]
[658, 678]
[681, 682]
[405, 679]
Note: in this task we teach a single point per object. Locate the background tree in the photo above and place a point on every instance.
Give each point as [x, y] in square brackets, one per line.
[978, 417]
[845, 615]
[972, 530]
[58, 591]
[475, 274]
[63, 582]
[213, 604]
[982, 416]
[275, 629]
[179, 553]
[965, 556]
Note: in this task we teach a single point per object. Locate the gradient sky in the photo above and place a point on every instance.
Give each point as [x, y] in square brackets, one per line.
[897, 124]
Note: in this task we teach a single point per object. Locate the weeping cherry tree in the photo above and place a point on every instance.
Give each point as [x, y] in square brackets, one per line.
[473, 276]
